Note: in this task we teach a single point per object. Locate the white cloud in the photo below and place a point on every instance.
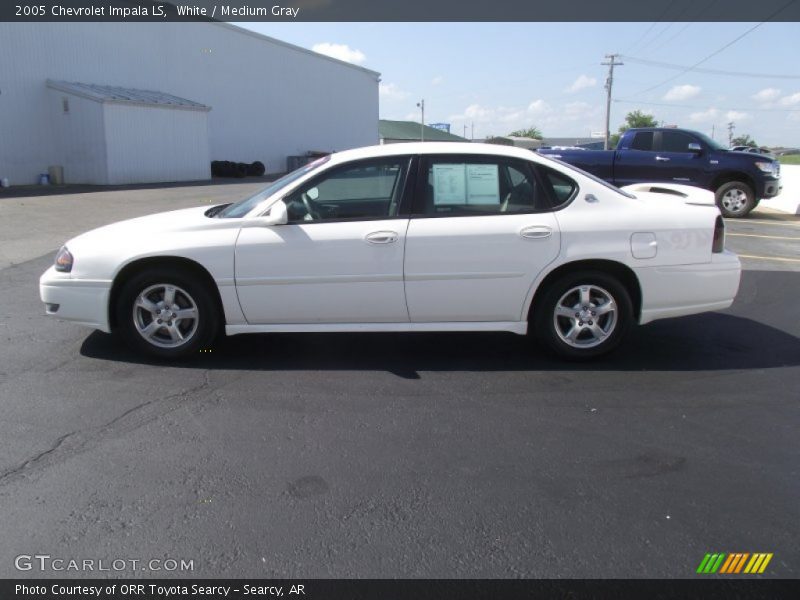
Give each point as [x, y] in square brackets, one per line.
[791, 100]
[582, 82]
[538, 107]
[391, 90]
[682, 92]
[703, 116]
[767, 95]
[735, 115]
[437, 80]
[340, 51]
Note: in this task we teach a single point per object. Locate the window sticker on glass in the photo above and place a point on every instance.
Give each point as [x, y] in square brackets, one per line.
[449, 184]
[463, 184]
[483, 184]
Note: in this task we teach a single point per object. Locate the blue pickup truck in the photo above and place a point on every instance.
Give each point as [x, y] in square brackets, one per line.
[738, 179]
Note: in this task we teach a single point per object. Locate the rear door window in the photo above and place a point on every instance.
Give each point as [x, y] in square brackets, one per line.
[643, 140]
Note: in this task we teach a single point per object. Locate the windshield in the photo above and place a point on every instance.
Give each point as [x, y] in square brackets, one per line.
[713, 144]
[242, 207]
[594, 178]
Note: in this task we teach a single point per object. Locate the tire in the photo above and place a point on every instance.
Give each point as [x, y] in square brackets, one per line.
[735, 199]
[138, 321]
[607, 329]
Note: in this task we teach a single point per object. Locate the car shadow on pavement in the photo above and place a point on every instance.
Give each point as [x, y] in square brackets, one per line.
[714, 341]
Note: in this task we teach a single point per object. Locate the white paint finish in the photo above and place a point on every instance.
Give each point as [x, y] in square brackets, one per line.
[475, 268]
[460, 273]
[321, 272]
[674, 291]
[644, 245]
[85, 305]
[147, 144]
[269, 99]
[789, 198]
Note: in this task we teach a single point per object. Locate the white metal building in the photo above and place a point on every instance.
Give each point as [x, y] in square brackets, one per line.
[146, 102]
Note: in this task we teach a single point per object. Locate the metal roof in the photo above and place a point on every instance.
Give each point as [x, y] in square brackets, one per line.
[123, 95]
[410, 130]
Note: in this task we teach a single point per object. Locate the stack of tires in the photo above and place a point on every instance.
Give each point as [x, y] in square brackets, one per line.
[226, 168]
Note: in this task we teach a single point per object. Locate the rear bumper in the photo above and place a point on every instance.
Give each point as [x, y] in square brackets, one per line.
[83, 301]
[682, 290]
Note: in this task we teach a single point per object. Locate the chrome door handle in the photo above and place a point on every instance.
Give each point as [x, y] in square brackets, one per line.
[381, 237]
[662, 158]
[535, 232]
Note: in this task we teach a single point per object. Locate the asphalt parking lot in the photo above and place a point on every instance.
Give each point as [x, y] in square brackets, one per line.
[383, 455]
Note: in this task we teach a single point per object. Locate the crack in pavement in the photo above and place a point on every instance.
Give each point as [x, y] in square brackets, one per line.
[76, 442]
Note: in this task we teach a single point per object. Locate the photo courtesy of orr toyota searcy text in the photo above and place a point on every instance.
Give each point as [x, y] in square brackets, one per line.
[162, 591]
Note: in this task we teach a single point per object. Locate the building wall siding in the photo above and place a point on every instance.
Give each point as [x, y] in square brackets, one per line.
[148, 144]
[268, 100]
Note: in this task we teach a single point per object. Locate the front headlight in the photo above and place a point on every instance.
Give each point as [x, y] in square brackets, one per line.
[64, 260]
[768, 167]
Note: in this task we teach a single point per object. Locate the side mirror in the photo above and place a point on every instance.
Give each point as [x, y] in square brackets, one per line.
[278, 215]
[695, 147]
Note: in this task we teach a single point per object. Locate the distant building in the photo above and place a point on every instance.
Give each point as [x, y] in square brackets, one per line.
[116, 103]
[394, 132]
[580, 142]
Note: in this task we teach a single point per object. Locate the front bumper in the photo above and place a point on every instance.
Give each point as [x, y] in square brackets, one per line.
[769, 188]
[83, 301]
[676, 291]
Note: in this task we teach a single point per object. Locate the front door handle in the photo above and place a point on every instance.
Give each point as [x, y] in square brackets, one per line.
[381, 237]
[662, 158]
[535, 232]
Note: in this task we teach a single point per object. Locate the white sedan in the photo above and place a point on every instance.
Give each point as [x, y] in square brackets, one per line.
[406, 237]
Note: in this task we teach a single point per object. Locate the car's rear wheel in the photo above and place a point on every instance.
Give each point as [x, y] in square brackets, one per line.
[735, 199]
[583, 315]
[166, 315]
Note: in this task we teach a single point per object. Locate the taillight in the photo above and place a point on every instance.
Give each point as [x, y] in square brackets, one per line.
[719, 236]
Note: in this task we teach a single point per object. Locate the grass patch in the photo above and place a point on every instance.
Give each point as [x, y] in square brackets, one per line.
[790, 159]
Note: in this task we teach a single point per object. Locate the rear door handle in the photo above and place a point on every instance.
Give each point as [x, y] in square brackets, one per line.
[381, 237]
[662, 158]
[535, 232]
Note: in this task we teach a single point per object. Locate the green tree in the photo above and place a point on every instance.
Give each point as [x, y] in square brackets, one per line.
[744, 140]
[633, 119]
[530, 132]
[500, 141]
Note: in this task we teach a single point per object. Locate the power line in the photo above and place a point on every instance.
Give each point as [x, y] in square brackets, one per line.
[713, 54]
[788, 110]
[663, 65]
[653, 24]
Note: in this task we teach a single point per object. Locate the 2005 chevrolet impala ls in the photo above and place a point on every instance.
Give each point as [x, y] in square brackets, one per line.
[406, 237]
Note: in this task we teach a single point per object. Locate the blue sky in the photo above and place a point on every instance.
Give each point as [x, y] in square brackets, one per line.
[503, 76]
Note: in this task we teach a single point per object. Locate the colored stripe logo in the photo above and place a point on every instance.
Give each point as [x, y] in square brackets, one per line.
[734, 563]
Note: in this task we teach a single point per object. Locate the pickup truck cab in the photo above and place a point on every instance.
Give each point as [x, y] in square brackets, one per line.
[738, 179]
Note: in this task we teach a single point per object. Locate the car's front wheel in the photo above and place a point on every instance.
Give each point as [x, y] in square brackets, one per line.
[583, 315]
[735, 199]
[166, 315]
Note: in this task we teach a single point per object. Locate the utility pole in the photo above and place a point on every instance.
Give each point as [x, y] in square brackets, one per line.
[713, 126]
[465, 131]
[612, 62]
[731, 127]
[421, 105]
[472, 135]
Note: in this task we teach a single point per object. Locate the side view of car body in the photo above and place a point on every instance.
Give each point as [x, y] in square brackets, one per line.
[406, 237]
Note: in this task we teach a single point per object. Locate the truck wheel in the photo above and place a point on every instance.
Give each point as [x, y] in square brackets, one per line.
[735, 199]
[166, 315]
[583, 315]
